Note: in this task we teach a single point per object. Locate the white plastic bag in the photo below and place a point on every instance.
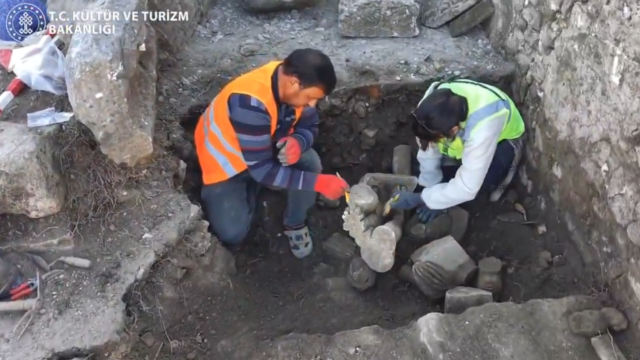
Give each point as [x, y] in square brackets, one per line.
[40, 66]
[48, 116]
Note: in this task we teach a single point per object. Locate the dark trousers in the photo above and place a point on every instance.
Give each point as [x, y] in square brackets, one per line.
[230, 206]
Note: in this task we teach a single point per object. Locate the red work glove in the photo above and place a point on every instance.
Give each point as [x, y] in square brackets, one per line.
[331, 186]
[290, 150]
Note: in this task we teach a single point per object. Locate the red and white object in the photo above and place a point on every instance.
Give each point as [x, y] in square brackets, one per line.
[15, 87]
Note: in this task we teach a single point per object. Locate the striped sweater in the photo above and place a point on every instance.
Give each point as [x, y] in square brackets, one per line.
[252, 123]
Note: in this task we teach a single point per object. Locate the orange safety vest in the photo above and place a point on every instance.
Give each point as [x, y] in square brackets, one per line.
[216, 141]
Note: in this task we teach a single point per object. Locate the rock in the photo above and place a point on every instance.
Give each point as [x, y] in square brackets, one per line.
[111, 82]
[339, 247]
[461, 298]
[368, 138]
[341, 291]
[424, 233]
[558, 260]
[30, 178]
[544, 259]
[459, 222]
[191, 356]
[378, 18]
[360, 274]
[490, 275]
[264, 6]
[534, 330]
[615, 319]
[436, 13]
[441, 265]
[471, 18]
[148, 339]
[588, 323]
[606, 348]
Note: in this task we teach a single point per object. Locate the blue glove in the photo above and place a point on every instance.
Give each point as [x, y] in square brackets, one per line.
[405, 200]
[426, 215]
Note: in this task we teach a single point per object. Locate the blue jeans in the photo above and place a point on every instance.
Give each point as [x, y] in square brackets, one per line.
[498, 169]
[230, 206]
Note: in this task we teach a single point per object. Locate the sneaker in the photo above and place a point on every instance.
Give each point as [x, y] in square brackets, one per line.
[300, 242]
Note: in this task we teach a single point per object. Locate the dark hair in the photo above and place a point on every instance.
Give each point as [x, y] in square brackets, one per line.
[438, 114]
[312, 68]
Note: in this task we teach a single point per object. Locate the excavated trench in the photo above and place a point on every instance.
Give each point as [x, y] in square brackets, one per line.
[274, 294]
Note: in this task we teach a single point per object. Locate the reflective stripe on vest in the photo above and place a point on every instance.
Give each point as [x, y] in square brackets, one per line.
[484, 103]
[209, 124]
[216, 142]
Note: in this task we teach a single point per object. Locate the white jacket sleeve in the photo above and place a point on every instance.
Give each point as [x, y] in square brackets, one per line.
[430, 166]
[476, 158]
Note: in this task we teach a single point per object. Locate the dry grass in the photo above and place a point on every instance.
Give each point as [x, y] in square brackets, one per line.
[93, 181]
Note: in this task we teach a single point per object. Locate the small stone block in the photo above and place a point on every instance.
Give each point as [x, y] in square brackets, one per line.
[615, 319]
[436, 13]
[378, 18]
[588, 323]
[459, 299]
[471, 18]
[490, 265]
[606, 348]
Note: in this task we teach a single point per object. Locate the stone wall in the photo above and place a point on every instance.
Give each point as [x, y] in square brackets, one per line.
[578, 86]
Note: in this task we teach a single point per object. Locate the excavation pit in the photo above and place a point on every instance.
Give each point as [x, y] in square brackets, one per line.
[274, 294]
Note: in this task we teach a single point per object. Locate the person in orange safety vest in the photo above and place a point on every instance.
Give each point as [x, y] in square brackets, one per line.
[259, 131]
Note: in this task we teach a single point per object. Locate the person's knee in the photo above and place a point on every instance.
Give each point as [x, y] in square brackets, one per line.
[309, 161]
[228, 215]
[233, 232]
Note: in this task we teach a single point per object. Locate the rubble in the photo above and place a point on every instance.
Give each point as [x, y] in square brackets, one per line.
[498, 331]
[63, 327]
[264, 6]
[111, 81]
[471, 18]
[360, 275]
[378, 18]
[30, 177]
[436, 13]
[461, 298]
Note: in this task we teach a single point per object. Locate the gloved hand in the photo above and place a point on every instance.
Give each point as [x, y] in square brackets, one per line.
[405, 200]
[290, 150]
[331, 186]
[425, 214]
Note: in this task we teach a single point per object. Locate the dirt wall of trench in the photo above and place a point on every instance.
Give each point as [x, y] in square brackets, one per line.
[578, 86]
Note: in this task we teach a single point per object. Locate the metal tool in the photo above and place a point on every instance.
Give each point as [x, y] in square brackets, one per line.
[21, 291]
[347, 195]
[387, 205]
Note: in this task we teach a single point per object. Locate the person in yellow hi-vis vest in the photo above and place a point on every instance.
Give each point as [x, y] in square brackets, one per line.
[470, 139]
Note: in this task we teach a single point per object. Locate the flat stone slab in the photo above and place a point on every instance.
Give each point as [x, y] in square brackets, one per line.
[534, 330]
[378, 18]
[461, 298]
[471, 18]
[436, 13]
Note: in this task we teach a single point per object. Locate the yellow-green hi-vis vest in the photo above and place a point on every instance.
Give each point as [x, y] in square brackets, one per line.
[484, 102]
